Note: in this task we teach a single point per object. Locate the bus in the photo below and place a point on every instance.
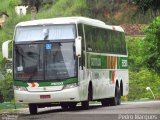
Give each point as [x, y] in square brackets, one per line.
[69, 60]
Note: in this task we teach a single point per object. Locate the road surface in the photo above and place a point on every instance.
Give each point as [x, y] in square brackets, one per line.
[147, 110]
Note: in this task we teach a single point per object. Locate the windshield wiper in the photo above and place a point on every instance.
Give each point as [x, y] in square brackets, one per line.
[39, 41]
[32, 75]
[30, 78]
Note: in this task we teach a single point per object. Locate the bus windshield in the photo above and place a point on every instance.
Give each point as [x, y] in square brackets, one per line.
[44, 61]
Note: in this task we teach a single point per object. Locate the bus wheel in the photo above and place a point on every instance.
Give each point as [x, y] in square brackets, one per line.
[105, 102]
[64, 106]
[117, 99]
[72, 106]
[85, 104]
[33, 109]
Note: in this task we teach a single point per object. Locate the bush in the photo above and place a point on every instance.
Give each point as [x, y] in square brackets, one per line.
[1, 98]
[135, 53]
[152, 46]
[139, 81]
[6, 88]
[139, 76]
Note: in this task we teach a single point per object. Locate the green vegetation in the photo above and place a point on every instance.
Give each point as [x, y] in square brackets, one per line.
[65, 8]
[152, 46]
[139, 81]
[11, 105]
[145, 5]
[6, 88]
[139, 75]
[144, 53]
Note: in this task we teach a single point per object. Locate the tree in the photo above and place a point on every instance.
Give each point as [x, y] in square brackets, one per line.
[135, 56]
[145, 5]
[31, 3]
[13, 3]
[155, 6]
[152, 46]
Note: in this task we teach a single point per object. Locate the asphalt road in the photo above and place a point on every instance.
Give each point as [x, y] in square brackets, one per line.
[149, 110]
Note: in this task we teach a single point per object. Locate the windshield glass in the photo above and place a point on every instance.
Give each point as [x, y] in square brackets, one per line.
[55, 32]
[60, 61]
[44, 61]
[28, 61]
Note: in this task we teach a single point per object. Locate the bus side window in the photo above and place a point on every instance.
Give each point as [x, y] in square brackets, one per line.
[89, 38]
[124, 51]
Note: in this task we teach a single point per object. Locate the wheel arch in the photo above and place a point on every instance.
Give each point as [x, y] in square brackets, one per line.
[90, 90]
[117, 83]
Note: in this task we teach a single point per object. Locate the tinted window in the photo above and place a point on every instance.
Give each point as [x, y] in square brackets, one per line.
[81, 33]
[104, 41]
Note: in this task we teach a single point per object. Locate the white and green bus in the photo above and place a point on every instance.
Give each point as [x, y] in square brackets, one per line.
[69, 60]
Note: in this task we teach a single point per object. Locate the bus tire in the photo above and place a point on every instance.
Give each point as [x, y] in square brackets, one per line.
[72, 106]
[64, 106]
[105, 102]
[117, 99]
[85, 104]
[33, 109]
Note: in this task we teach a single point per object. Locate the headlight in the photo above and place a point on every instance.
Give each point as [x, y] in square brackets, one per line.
[20, 88]
[68, 86]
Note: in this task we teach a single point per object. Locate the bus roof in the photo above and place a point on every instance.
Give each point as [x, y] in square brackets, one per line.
[70, 20]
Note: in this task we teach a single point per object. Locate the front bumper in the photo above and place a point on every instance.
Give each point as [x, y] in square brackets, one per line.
[66, 95]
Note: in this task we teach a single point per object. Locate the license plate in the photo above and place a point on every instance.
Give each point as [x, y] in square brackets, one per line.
[45, 96]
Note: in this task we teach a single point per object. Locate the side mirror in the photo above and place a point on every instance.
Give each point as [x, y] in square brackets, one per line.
[78, 45]
[5, 51]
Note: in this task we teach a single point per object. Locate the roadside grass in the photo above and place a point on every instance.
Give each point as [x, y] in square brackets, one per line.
[10, 110]
[11, 107]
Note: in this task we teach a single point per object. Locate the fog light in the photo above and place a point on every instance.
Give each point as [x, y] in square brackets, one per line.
[68, 86]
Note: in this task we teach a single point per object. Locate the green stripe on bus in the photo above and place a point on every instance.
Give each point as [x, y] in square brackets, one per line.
[103, 62]
[51, 83]
[20, 83]
[106, 62]
[123, 63]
